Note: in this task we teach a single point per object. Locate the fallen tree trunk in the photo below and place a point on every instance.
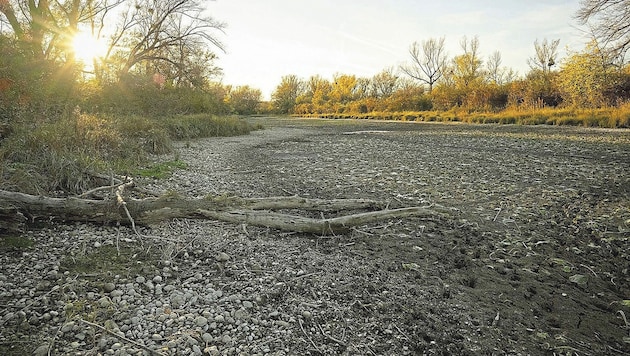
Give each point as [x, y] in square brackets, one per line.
[22, 208]
[336, 225]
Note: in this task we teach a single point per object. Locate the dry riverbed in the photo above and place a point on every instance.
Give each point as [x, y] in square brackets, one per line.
[532, 258]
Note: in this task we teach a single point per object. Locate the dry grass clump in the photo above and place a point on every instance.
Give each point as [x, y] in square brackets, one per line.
[63, 155]
[615, 117]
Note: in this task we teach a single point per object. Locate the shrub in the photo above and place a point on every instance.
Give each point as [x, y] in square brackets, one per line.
[63, 155]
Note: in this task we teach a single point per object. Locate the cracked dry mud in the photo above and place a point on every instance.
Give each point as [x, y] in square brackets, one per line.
[533, 259]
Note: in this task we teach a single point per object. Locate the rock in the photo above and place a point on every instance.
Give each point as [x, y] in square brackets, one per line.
[207, 338]
[219, 318]
[109, 287]
[41, 350]
[67, 327]
[177, 300]
[140, 279]
[222, 257]
[247, 304]
[212, 350]
[201, 321]
[104, 302]
[157, 279]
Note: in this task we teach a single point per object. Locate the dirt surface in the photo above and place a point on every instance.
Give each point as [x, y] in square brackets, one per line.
[533, 257]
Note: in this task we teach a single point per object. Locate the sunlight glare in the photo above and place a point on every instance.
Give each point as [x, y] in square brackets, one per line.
[87, 48]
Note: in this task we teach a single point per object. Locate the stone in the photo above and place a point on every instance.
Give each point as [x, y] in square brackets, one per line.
[109, 287]
[222, 257]
[41, 350]
[201, 321]
[207, 338]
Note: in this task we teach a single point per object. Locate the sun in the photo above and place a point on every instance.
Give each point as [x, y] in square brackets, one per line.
[87, 48]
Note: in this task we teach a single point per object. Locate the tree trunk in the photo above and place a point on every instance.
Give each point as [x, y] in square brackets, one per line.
[19, 209]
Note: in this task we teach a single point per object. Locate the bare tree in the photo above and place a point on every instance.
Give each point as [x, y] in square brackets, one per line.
[546, 55]
[44, 27]
[160, 31]
[495, 71]
[609, 22]
[427, 63]
[468, 67]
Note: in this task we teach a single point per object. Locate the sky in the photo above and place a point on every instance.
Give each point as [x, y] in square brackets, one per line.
[265, 40]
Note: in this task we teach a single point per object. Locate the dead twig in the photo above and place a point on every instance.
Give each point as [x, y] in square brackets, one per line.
[121, 337]
[401, 332]
[330, 337]
[308, 337]
[590, 269]
[623, 315]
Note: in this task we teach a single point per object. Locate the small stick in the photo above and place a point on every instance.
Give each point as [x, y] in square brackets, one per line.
[589, 268]
[498, 212]
[331, 338]
[401, 332]
[122, 337]
[306, 275]
[90, 192]
[308, 337]
[623, 315]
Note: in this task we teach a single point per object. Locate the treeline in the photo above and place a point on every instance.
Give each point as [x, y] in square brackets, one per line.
[467, 87]
[31, 88]
[159, 61]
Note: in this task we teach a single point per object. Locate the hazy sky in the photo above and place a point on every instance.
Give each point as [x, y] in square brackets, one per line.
[267, 39]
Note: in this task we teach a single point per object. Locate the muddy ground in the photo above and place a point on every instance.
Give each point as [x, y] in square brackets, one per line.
[533, 256]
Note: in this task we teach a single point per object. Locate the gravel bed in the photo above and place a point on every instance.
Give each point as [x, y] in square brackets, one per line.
[532, 260]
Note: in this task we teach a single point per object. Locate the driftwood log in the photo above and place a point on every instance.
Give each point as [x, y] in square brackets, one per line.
[18, 209]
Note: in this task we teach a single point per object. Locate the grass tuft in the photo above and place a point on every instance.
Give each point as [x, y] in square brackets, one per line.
[161, 170]
[60, 157]
[617, 117]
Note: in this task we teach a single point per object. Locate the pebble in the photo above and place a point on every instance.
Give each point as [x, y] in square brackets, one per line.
[222, 257]
[212, 350]
[67, 327]
[201, 321]
[207, 338]
[41, 350]
[153, 301]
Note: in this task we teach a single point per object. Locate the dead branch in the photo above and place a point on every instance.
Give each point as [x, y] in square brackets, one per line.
[253, 211]
[331, 226]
